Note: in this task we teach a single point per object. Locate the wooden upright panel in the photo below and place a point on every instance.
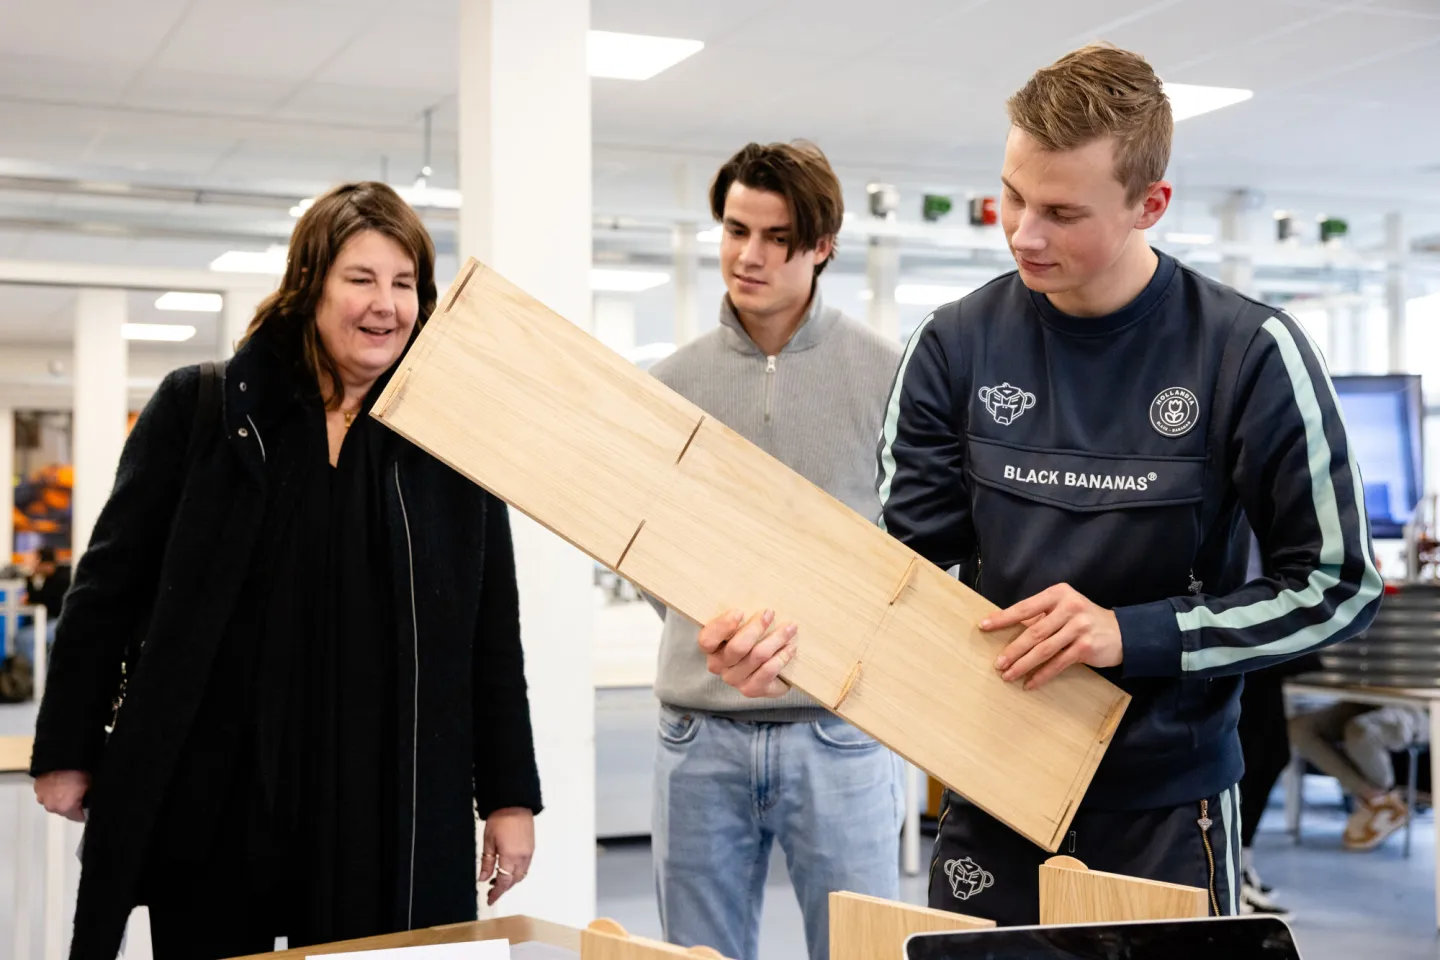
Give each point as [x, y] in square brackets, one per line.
[863, 928]
[1070, 893]
[605, 939]
[15, 754]
[545, 417]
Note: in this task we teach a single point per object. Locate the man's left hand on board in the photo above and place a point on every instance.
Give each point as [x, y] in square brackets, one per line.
[1063, 628]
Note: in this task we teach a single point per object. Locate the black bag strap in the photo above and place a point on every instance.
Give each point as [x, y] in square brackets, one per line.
[207, 405]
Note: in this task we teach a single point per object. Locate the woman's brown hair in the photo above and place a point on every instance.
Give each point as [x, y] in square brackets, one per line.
[318, 238]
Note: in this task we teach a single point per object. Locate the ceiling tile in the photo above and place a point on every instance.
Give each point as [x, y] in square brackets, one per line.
[87, 32]
[192, 92]
[257, 38]
[410, 53]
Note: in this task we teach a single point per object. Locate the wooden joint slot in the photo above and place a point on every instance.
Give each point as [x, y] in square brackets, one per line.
[621, 562]
[905, 580]
[1113, 720]
[849, 685]
[397, 391]
[1060, 827]
[693, 433]
[460, 288]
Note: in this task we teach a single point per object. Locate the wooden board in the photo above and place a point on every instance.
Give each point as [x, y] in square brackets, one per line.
[1070, 893]
[15, 754]
[515, 929]
[607, 940]
[862, 928]
[543, 416]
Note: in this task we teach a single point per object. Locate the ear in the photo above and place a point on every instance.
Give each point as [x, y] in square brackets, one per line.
[1154, 204]
[824, 248]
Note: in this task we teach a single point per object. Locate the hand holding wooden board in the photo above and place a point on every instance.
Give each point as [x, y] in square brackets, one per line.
[549, 420]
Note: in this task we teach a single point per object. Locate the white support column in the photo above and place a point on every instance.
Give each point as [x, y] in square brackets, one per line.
[1395, 249]
[7, 484]
[525, 176]
[687, 258]
[1235, 215]
[615, 323]
[101, 398]
[882, 271]
[240, 304]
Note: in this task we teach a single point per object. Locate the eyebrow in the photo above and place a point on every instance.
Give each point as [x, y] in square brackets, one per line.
[1073, 207]
[732, 222]
[364, 269]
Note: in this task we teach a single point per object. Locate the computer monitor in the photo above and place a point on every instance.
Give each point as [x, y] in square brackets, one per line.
[1254, 938]
[1385, 423]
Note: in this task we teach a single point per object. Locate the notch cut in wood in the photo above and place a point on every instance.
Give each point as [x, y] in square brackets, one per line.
[1072, 893]
[905, 579]
[626, 552]
[849, 685]
[460, 287]
[686, 449]
[396, 394]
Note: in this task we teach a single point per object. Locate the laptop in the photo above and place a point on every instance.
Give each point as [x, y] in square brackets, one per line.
[1241, 938]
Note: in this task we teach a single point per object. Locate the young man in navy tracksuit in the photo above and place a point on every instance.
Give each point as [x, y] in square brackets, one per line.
[1089, 440]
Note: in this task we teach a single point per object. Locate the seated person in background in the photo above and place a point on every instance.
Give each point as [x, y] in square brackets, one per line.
[1353, 742]
[47, 585]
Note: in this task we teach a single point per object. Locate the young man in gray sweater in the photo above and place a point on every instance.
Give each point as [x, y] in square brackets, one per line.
[733, 775]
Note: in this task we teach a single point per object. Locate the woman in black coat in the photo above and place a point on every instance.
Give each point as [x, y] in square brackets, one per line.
[317, 629]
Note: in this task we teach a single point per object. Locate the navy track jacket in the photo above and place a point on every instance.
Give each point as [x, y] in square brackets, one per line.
[1124, 455]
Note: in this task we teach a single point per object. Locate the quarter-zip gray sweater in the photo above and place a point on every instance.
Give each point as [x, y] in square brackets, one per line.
[816, 407]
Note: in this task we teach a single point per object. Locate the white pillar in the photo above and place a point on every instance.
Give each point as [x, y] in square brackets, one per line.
[525, 176]
[1395, 249]
[1237, 271]
[101, 400]
[240, 304]
[882, 271]
[687, 258]
[7, 485]
[615, 323]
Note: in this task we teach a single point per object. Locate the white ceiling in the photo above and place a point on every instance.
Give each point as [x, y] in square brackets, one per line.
[1345, 117]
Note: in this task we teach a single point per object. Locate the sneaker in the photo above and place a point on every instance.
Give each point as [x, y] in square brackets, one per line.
[1373, 821]
[1254, 902]
[1252, 879]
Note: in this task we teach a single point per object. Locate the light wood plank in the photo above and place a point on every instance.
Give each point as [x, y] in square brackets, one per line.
[1070, 893]
[607, 940]
[516, 929]
[15, 754]
[863, 928]
[549, 420]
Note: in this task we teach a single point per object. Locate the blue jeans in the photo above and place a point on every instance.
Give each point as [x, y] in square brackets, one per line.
[726, 790]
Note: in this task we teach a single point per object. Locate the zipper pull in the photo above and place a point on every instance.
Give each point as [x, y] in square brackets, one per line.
[769, 364]
[1195, 585]
[1205, 822]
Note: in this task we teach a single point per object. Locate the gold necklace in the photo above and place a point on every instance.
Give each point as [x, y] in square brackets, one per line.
[349, 416]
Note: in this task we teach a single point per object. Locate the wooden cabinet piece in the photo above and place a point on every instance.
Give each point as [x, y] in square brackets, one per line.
[607, 940]
[543, 416]
[1071, 893]
[863, 928]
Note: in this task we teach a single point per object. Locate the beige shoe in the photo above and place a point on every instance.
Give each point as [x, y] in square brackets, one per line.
[1373, 821]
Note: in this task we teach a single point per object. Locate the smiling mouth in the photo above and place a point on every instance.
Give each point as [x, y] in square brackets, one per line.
[377, 331]
[751, 280]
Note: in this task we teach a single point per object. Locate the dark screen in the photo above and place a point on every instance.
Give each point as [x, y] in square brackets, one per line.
[1264, 938]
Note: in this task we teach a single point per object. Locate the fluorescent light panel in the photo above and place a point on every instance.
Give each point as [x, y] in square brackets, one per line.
[168, 332]
[190, 302]
[633, 56]
[270, 260]
[608, 280]
[1189, 238]
[713, 235]
[928, 294]
[1190, 100]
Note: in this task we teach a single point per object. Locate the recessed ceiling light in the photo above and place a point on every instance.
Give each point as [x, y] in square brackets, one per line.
[633, 56]
[606, 280]
[1190, 100]
[423, 196]
[190, 302]
[270, 260]
[169, 332]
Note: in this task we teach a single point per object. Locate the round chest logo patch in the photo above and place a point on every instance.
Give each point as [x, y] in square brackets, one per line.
[1174, 412]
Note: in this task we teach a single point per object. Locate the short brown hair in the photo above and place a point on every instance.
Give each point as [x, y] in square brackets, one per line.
[1101, 91]
[798, 172]
[318, 237]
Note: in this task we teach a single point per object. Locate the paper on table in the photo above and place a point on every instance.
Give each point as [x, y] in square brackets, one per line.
[477, 950]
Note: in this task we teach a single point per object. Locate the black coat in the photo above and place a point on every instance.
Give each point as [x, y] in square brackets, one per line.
[166, 564]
